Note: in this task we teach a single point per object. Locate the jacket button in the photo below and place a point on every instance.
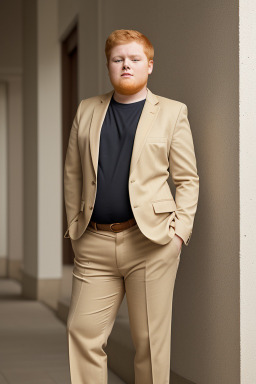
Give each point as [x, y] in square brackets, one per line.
[132, 181]
[93, 182]
[135, 206]
[91, 207]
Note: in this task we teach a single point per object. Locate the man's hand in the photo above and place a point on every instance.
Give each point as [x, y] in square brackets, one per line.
[178, 240]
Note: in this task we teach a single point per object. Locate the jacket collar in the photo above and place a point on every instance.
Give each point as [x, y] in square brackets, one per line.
[150, 97]
[148, 115]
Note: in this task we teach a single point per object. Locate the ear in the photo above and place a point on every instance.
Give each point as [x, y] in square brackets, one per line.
[150, 66]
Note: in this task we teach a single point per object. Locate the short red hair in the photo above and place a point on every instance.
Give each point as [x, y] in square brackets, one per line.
[124, 36]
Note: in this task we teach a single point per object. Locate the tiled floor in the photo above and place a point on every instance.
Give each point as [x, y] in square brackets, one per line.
[33, 346]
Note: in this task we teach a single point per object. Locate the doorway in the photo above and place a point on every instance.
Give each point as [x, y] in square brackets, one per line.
[69, 108]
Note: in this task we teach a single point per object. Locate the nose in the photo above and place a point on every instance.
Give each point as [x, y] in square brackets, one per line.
[126, 63]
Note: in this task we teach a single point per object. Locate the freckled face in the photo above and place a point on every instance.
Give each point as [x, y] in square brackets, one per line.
[129, 58]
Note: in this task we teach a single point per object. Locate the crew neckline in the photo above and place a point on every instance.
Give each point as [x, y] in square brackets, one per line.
[126, 104]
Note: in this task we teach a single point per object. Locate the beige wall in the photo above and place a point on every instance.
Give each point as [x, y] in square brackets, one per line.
[11, 38]
[11, 43]
[30, 138]
[67, 15]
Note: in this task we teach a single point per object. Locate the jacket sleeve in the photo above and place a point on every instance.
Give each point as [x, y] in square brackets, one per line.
[183, 168]
[73, 175]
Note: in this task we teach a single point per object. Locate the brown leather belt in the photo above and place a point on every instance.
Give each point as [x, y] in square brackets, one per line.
[118, 227]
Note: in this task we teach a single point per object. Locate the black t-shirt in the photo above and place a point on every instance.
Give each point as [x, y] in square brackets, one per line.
[112, 202]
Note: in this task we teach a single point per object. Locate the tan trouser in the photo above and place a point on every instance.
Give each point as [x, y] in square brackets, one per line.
[106, 266]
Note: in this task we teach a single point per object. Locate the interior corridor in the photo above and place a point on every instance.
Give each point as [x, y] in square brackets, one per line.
[33, 346]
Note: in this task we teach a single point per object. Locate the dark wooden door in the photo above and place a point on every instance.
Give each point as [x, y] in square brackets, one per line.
[69, 107]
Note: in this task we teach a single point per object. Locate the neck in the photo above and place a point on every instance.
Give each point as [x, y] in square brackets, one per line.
[141, 95]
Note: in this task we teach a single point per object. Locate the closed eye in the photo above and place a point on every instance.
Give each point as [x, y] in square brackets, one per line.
[116, 61]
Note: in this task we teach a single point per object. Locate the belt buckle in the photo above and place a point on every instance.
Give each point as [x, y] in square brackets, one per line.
[113, 229]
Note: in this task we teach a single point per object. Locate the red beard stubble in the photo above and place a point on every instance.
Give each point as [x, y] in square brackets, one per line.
[128, 86]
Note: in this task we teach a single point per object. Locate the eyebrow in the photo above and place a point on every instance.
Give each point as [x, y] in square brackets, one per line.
[138, 55]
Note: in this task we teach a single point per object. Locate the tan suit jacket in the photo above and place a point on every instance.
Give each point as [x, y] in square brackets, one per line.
[163, 146]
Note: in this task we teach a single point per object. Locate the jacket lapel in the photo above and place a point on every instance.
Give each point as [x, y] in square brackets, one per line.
[98, 117]
[145, 123]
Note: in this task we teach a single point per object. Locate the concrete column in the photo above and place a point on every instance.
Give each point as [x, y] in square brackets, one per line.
[15, 178]
[43, 152]
[11, 140]
[247, 75]
[3, 179]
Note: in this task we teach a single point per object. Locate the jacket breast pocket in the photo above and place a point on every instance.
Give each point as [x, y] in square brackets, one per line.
[164, 206]
[155, 154]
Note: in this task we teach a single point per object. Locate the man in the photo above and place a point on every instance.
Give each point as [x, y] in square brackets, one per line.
[125, 227]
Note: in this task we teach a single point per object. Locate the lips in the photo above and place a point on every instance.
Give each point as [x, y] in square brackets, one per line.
[126, 74]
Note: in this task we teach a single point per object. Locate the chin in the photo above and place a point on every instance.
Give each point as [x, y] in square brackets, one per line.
[125, 88]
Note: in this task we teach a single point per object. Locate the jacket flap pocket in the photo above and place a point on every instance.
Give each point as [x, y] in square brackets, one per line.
[164, 206]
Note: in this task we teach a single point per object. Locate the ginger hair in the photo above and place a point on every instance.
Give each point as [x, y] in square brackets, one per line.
[124, 36]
